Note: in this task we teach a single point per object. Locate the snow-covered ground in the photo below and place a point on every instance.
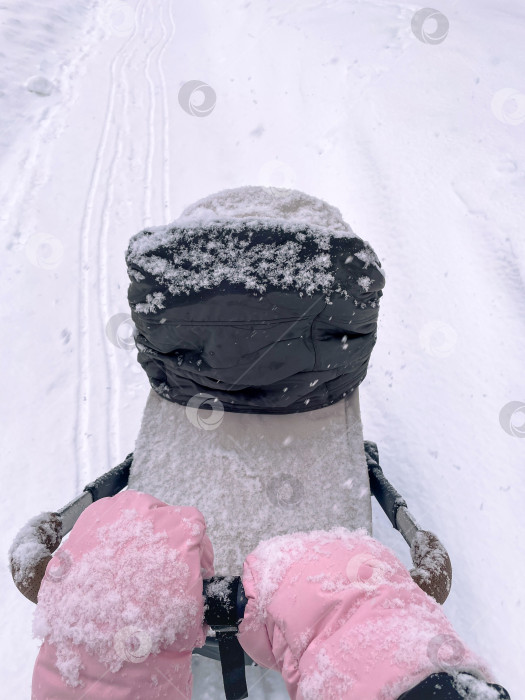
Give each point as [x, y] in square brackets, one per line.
[419, 143]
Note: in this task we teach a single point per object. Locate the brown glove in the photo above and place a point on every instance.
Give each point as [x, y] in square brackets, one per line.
[433, 569]
[31, 552]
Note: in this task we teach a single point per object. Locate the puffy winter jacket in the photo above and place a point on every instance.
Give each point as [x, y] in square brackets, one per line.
[268, 314]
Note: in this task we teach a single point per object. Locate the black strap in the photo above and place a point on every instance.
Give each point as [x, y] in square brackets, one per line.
[232, 665]
[225, 603]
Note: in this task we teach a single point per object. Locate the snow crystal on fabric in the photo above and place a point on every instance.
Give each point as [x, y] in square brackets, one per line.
[136, 275]
[210, 243]
[382, 634]
[189, 258]
[108, 591]
[404, 638]
[470, 687]
[368, 256]
[220, 590]
[194, 528]
[364, 282]
[317, 684]
[153, 302]
[274, 557]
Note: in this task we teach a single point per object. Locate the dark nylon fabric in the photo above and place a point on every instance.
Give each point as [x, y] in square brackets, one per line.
[278, 351]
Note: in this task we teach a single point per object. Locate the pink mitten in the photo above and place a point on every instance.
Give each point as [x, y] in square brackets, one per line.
[338, 614]
[120, 607]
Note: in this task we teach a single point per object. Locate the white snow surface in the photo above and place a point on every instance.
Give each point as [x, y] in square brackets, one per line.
[420, 146]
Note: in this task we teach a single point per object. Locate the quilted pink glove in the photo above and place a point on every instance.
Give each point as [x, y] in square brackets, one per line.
[340, 617]
[120, 607]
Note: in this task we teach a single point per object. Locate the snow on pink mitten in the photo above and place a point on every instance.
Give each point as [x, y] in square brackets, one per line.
[121, 607]
[341, 618]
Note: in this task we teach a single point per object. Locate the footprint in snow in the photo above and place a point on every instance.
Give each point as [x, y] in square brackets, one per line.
[40, 85]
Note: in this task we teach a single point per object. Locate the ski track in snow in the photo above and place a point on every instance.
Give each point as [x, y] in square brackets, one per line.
[87, 262]
[136, 59]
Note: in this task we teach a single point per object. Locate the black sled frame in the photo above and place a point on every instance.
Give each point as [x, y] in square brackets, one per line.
[432, 567]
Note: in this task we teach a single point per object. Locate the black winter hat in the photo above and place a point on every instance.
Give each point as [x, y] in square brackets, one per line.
[261, 297]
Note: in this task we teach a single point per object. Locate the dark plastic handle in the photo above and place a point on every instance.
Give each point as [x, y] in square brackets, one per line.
[386, 495]
[432, 566]
[111, 482]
